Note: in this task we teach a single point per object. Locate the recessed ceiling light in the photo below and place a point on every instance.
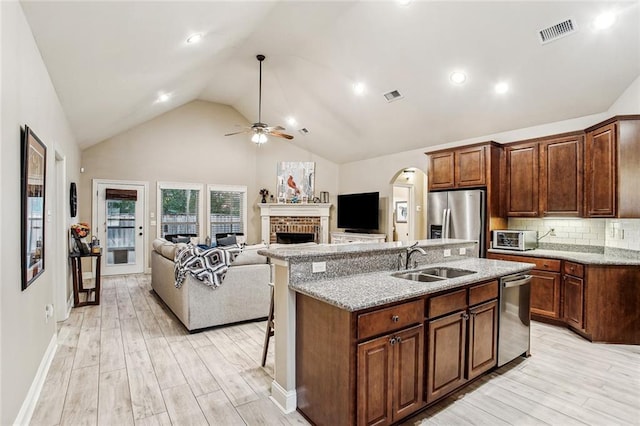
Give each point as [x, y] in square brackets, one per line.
[194, 38]
[291, 121]
[501, 87]
[458, 77]
[358, 88]
[404, 2]
[163, 97]
[604, 20]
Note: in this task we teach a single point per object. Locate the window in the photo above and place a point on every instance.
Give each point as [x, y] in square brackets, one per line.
[180, 207]
[227, 209]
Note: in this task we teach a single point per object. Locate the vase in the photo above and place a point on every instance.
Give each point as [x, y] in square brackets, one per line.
[264, 199]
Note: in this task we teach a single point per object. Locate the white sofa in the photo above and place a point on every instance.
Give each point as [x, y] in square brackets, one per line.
[244, 294]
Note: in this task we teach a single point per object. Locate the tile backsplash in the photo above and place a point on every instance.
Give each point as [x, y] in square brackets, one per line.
[615, 233]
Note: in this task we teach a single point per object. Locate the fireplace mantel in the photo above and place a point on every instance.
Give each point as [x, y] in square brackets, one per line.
[321, 210]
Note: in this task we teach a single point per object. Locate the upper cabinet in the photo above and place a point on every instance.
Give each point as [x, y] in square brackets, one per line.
[561, 175]
[462, 167]
[522, 179]
[612, 164]
[544, 176]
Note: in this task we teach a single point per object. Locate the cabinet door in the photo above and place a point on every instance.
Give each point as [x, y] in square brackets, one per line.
[600, 179]
[470, 167]
[441, 166]
[522, 180]
[561, 170]
[545, 294]
[483, 338]
[446, 355]
[573, 301]
[374, 380]
[408, 366]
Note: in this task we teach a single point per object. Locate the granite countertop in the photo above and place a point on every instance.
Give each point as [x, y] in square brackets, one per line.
[306, 252]
[362, 291]
[586, 258]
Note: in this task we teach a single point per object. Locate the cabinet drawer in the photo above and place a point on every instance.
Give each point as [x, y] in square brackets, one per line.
[390, 319]
[542, 264]
[450, 302]
[483, 292]
[575, 269]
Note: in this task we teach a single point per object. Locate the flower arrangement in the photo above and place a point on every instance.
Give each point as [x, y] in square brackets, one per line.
[264, 192]
[80, 230]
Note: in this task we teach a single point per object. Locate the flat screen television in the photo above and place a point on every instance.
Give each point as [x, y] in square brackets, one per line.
[358, 212]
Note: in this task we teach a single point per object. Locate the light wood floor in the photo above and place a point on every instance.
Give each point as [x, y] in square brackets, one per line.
[130, 361]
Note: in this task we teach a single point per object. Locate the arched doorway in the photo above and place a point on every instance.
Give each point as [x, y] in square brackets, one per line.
[407, 208]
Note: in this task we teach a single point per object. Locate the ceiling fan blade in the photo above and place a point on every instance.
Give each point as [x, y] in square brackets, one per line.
[237, 133]
[281, 135]
[272, 128]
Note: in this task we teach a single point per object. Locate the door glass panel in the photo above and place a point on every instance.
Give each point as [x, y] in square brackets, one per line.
[121, 232]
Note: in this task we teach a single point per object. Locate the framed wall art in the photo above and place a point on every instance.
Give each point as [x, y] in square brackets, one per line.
[401, 211]
[295, 181]
[34, 165]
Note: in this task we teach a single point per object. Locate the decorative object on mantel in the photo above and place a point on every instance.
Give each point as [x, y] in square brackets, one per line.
[271, 198]
[264, 192]
[34, 165]
[295, 179]
[260, 130]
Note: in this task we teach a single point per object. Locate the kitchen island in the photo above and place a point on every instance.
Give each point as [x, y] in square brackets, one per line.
[333, 301]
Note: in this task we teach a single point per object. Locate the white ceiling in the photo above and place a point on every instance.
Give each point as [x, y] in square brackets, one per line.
[109, 61]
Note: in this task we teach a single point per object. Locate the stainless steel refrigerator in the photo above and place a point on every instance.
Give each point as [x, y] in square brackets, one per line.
[458, 214]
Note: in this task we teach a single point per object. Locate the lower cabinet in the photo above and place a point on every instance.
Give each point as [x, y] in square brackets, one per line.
[573, 291]
[545, 294]
[390, 371]
[462, 345]
[446, 355]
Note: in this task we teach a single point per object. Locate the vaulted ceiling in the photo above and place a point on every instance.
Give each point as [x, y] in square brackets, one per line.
[109, 61]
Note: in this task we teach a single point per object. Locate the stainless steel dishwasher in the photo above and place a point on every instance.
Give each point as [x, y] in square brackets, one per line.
[514, 332]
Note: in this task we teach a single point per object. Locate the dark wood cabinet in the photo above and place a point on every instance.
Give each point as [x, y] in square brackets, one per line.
[612, 155]
[483, 339]
[446, 355]
[470, 167]
[545, 294]
[522, 179]
[573, 294]
[601, 172]
[463, 343]
[561, 176]
[390, 377]
[441, 170]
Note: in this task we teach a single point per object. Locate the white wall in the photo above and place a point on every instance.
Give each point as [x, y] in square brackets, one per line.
[28, 97]
[187, 144]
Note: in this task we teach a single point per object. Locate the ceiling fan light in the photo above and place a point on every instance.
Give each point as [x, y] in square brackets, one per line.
[259, 138]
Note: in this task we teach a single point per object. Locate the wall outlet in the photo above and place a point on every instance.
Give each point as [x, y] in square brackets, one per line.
[447, 252]
[462, 251]
[318, 267]
[48, 312]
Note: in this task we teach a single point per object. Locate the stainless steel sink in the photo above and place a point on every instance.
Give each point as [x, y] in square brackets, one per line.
[432, 274]
[417, 276]
[446, 272]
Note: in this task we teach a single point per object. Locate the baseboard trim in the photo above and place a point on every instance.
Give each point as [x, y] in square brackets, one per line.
[285, 400]
[29, 403]
[69, 305]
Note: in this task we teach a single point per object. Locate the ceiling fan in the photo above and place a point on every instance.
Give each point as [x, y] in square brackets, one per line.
[260, 130]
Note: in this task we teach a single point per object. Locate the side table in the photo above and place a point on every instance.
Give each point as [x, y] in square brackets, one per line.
[78, 285]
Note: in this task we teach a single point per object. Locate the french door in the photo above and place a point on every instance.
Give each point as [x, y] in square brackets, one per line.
[119, 225]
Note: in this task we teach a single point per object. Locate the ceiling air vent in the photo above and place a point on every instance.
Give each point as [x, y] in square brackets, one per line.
[304, 131]
[393, 95]
[557, 31]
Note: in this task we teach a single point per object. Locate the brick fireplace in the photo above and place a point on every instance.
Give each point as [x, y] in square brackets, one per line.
[294, 219]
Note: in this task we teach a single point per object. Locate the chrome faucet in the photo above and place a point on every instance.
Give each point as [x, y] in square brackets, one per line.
[410, 250]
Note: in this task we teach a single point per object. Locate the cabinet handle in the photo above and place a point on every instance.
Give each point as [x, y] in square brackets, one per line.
[392, 341]
[545, 265]
[395, 318]
[398, 339]
[465, 316]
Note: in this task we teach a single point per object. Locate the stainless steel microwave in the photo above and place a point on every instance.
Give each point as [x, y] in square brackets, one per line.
[515, 240]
